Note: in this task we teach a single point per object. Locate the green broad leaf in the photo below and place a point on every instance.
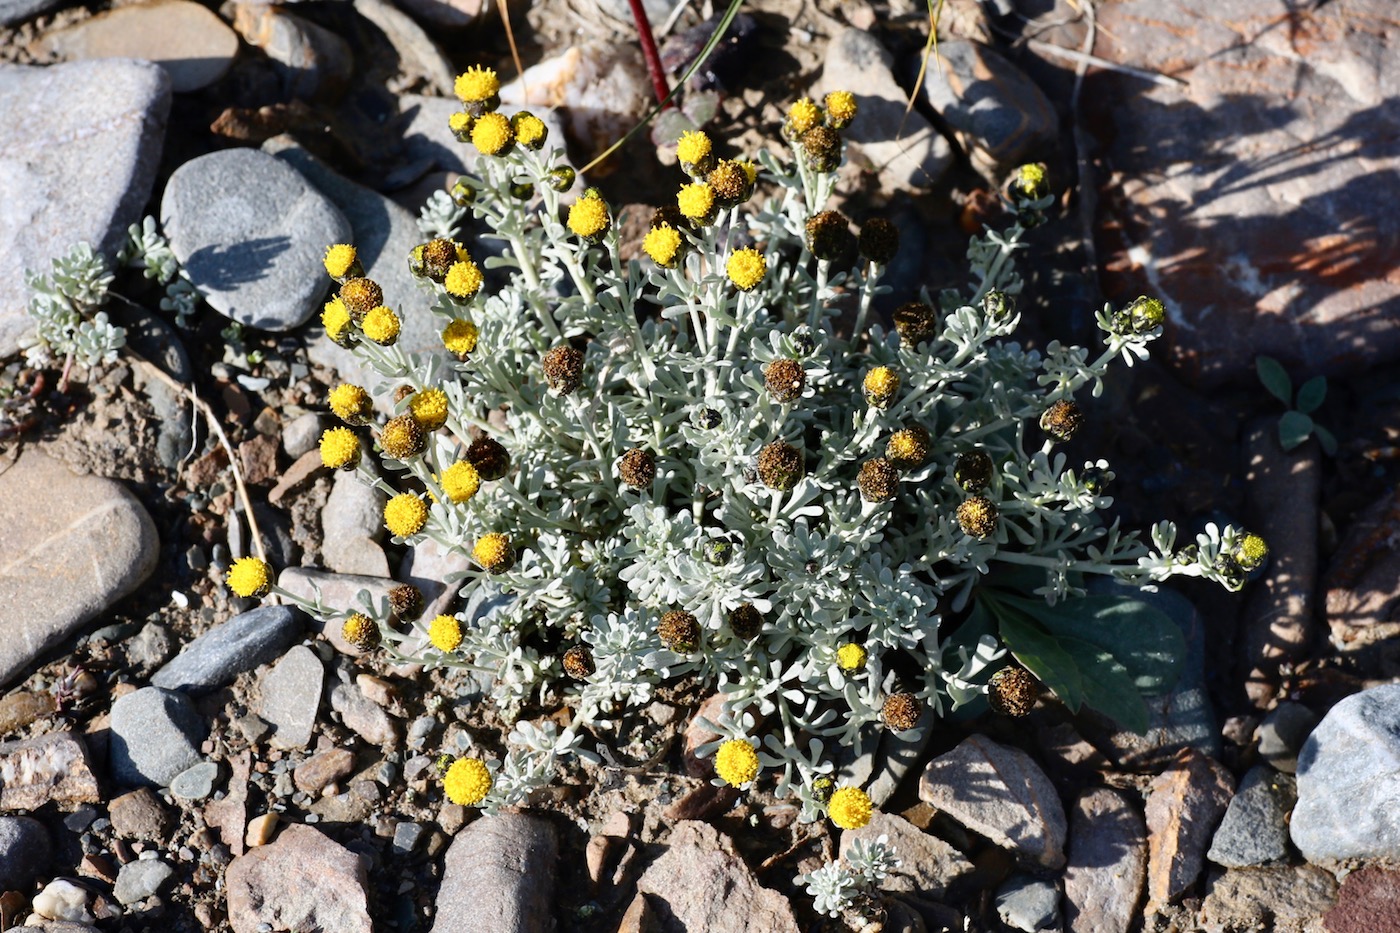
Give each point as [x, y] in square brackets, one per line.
[1327, 439]
[1275, 378]
[1312, 394]
[1143, 639]
[1293, 428]
[1108, 687]
[1041, 654]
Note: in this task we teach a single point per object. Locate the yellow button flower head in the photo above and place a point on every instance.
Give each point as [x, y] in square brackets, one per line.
[588, 216]
[335, 318]
[460, 481]
[445, 632]
[351, 403]
[1251, 552]
[881, 386]
[249, 577]
[850, 657]
[405, 515]
[850, 808]
[382, 326]
[529, 130]
[697, 202]
[460, 123]
[467, 782]
[802, 116]
[746, 268]
[908, 449]
[360, 631]
[840, 109]
[492, 135]
[341, 261]
[477, 85]
[695, 152]
[730, 182]
[663, 245]
[463, 280]
[493, 553]
[459, 337]
[429, 407]
[340, 449]
[736, 762]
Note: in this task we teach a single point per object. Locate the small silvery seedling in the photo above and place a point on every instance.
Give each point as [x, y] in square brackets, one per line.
[64, 305]
[713, 463]
[848, 884]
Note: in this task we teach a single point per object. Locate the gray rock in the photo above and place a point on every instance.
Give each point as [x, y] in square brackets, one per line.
[24, 852]
[185, 39]
[1297, 243]
[75, 545]
[52, 768]
[139, 815]
[352, 521]
[419, 56]
[242, 643]
[291, 697]
[428, 566]
[406, 837]
[1363, 584]
[303, 433]
[140, 879]
[156, 734]
[1283, 732]
[428, 140]
[363, 716]
[928, 866]
[1107, 863]
[154, 338]
[302, 881]
[498, 874]
[149, 647]
[311, 61]
[1349, 781]
[909, 153]
[196, 783]
[101, 121]
[998, 113]
[1001, 793]
[1255, 828]
[448, 14]
[251, 234]
[1184, 805]
[703, 884]
[1025, 902]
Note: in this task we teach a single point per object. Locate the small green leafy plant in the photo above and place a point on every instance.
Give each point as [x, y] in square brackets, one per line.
[1297, 424]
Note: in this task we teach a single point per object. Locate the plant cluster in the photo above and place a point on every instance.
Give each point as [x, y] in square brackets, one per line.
[713, 462]
[847, 885]
[65, 304]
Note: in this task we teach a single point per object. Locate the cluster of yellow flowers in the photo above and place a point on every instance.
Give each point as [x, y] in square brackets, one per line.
[492, 133]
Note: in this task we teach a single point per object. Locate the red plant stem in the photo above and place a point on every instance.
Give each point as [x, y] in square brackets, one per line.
[653, 58]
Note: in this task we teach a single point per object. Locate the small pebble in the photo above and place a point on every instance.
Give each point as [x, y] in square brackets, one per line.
[196, 783]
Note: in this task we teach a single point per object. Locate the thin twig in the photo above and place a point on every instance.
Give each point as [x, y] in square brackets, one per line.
[218, 430]
[1084, 59]
[515, 52]
[653, 58]
[673, 18]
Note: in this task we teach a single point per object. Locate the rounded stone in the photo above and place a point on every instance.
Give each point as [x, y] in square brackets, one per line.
[24, 851]
[140, 879]
[196, 783]
[155, 735]
[251, 233]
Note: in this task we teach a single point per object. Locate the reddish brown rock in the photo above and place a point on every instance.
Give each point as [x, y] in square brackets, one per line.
[230, 815]
[1184, 806]
[1253, 196]
[1280, 900]
[139, 815]
[303, 881]
[1368, 901]
[324, 768]
[704, 885]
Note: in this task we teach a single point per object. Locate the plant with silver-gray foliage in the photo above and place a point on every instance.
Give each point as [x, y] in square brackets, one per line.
[65, 307]
[847, 885]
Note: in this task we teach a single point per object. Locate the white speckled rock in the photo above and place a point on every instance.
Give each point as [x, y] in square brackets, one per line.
[71, 547]
[99, 121]
[1349, 781]
[251, 233]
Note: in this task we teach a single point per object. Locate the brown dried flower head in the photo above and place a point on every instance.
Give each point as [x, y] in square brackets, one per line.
[1013, 691]
[563, 369]
[978, 516]
[491, 459]
[972, 470]
[1062, 420]
[878, 480]
[406, 602]
[780, 466]
[785, 380]
[901, 711]
[403, 437]
[745, 621]
[879, 241]
[679, 631]
[915, 322]
[578, 662]
[637, 468]
[360, 296]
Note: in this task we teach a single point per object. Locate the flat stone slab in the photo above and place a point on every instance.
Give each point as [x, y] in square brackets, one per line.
[70, 547]
[291, 697]
[155, 736]
[99, 121]
[227, 650]
[251, 233]
[186, 39]
[302, 881]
